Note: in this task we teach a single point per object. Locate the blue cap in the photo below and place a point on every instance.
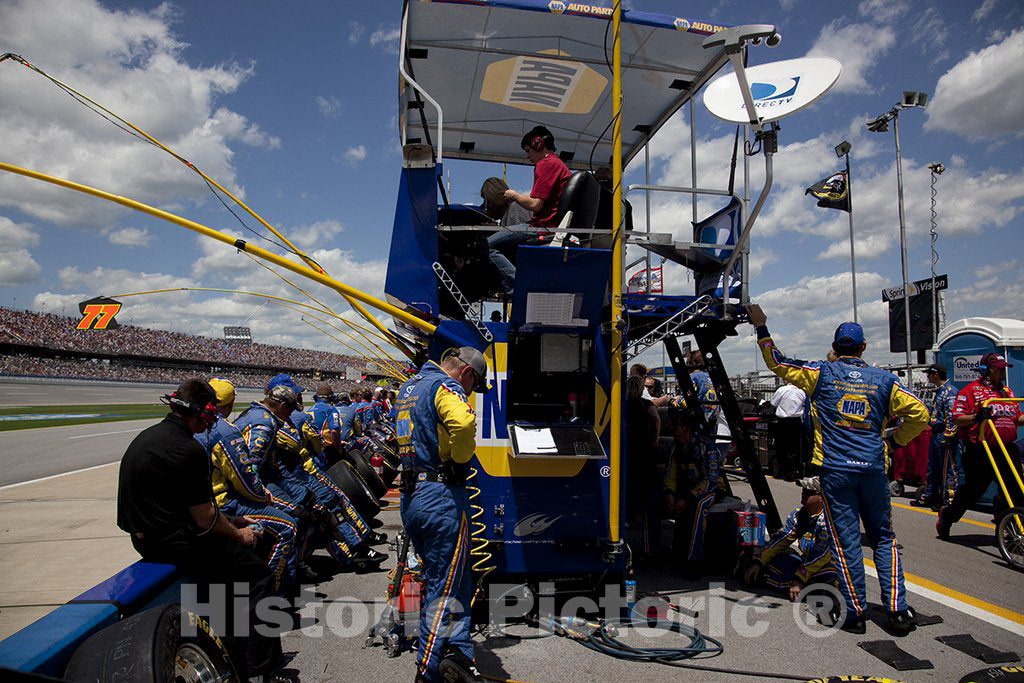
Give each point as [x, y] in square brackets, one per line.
[284, 380]
[849, 334]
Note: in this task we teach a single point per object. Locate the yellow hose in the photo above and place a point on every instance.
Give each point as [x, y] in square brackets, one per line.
[476, 538]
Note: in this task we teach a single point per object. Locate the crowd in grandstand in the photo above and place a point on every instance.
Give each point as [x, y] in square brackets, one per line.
[60, 332]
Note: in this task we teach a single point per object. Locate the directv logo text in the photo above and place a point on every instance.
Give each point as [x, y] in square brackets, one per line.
[775, 93]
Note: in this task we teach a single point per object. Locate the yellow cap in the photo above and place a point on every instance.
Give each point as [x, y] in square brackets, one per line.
[224, 389]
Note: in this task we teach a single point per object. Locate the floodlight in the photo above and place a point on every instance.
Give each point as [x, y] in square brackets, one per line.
[843, 148]
[773, 40]
[914, 99]
[879, 124]
[936, 168]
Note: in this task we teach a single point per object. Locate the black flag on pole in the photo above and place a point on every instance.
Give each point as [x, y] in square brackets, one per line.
[832, 192]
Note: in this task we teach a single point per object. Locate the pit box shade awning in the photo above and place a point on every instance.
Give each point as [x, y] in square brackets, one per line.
[499, 68]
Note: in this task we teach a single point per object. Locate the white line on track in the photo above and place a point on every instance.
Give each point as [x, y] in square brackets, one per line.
[959, 605]
[55, 476]
[86, 436]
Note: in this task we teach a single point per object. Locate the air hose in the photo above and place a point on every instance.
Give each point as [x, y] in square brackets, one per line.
[482, 564]
[604, 639]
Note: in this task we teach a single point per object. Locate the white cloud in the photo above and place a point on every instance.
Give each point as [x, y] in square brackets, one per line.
[386, 37]
[108, 281]
[355, 32]
[355, 154]
[787, 5]
[17, 266]
[983, 10]
[981, 95]
[329, 106]
[882, 10]
[130, 61]
[130, 237]
[16, 263]
[17, 234]
[858, 46]
[991, 269]
[308, 236]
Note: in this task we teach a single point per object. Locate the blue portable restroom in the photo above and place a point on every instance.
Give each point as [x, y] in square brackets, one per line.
[962, 343]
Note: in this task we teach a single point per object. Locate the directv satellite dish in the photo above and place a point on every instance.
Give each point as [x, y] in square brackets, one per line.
[778, 88]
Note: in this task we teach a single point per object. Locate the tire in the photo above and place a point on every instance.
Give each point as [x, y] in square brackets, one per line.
[1010, 536]
[149, 646]
[391, 465]
[360, 463]
[348, 481]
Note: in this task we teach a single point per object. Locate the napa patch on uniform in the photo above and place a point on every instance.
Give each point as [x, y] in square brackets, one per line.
[854, 408]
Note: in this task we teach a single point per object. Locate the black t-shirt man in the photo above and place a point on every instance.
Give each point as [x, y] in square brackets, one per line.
[164, 472]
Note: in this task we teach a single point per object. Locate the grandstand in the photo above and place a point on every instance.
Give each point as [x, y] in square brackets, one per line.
[47, 345]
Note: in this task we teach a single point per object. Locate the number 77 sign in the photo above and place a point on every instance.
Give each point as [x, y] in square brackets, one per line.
[98, 314]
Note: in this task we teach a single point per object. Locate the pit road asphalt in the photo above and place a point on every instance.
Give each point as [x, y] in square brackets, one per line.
[968, 569]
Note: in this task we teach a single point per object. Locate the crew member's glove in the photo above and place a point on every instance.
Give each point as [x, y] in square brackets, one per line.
[984, 413]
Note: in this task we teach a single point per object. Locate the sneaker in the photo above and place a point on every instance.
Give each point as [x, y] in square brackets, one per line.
[368, 559]
[901, 623]
[854, 623]
[458, 668]
[376, 538]
[922, 502]
[941, 525]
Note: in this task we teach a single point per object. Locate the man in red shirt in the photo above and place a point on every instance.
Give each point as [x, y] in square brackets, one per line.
[549, 176]
[968, 414]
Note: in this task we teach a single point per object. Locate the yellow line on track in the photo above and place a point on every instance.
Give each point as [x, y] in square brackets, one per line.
[926, 511]
[1007, 614]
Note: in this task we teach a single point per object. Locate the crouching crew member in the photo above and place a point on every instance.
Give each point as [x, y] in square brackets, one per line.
[851, 402]
[165, 501]
[969, 412]
[691, 485]
[240, 491]
[782, 566]
[436, 429]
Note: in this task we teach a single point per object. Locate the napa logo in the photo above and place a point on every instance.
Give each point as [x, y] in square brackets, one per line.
[853, 407]
[681, 24]
[556, 6]
[775, 92]
[543, 82]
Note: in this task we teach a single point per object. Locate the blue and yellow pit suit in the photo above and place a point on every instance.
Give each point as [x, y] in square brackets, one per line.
[300, 469]
[363, 415]
[708, 398]
[326, 491]
[811, 560]
[692, 475]
[239, 491]
[944, 448]
[851, 403]
[348, 425]
[276, 447]
[324, 421]
[436, 430]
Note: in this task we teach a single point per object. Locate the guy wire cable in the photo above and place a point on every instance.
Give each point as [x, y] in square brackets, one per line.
[387, 371]
[211, 183]
[329, 311]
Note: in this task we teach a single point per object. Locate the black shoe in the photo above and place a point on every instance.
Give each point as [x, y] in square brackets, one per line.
[922, 502]
[282, 676]
[307, 575]
[368, 559]
[854, 623]
[941, 525]
[458, 668]
[376, 538]
[901, 623]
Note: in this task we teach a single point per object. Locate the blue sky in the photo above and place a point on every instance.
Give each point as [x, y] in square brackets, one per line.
[295, 107]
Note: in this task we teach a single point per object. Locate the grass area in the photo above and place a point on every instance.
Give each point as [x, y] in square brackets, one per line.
[100, 412]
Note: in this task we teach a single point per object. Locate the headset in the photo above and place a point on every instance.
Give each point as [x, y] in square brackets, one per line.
[331, 398]
[208, 412]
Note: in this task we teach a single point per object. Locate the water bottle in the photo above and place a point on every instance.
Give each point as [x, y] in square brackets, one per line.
[630, 596]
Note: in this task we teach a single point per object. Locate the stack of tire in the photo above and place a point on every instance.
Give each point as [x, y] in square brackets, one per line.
[354, 475]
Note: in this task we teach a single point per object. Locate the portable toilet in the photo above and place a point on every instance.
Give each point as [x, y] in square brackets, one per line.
[962, 343]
